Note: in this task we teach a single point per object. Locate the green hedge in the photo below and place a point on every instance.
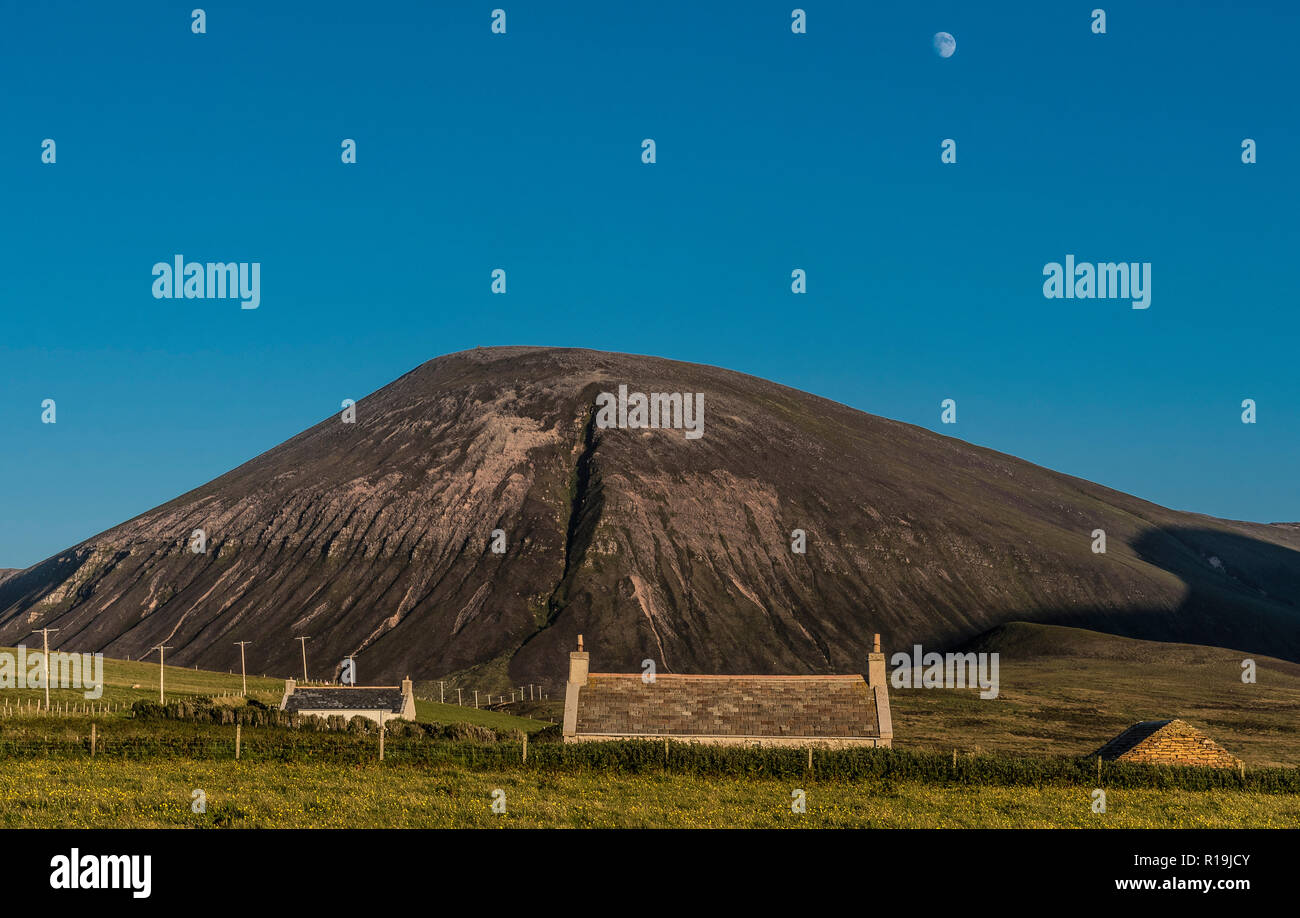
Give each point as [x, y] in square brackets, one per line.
[161, 733]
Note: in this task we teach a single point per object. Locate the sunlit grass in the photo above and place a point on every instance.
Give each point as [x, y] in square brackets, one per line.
[115, 794]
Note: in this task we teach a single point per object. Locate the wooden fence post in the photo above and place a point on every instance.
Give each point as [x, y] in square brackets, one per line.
[92, 740]
[525, 748]
[381, 737]
[237, 742]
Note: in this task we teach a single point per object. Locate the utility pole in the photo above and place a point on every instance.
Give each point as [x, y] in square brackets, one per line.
[303, 641]
[45, 656]
[242, 671]
[442, 693]
[160, 648]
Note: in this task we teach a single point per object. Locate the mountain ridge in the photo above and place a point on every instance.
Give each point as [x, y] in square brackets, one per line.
[374, 538]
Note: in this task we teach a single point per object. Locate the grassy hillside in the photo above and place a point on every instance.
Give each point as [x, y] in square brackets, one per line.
[129, 681]
[126, 681]
[1065, 691]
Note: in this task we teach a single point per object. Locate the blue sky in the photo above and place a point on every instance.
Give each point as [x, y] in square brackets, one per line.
[522, 151]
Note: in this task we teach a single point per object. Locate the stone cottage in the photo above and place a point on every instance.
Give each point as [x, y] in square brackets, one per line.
[380, 703]
[832, 711]
[1167, 742]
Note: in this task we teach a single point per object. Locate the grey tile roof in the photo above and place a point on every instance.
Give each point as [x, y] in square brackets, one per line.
[345, 698]
[1130, 738]
[758, 706]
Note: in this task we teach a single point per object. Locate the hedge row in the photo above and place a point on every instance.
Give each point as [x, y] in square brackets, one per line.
[421, 744]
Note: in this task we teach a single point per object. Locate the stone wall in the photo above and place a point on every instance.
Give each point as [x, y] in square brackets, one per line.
[1178, 743]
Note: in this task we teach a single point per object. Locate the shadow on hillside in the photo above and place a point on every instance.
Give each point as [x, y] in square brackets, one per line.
[1242, 594]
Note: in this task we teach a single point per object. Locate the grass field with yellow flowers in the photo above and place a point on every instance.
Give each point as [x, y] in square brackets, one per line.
[181, 793]
[144, 766]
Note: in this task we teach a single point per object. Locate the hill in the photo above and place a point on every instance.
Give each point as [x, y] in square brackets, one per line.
[128, 681]
[1064, 691]
[375, 538]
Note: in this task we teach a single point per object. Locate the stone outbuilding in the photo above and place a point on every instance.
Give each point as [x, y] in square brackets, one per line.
[380, 703]
[1167, 742]
[832, 711]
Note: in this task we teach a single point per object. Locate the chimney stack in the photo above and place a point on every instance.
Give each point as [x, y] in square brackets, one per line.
[578, 665]
[407, 688]
[289, 685]
[875, 663]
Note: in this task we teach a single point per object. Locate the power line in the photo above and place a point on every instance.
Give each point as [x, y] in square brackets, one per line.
[242, 671]
[161, 672]
[303, 640]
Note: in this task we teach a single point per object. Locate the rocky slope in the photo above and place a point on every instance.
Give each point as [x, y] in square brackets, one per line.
[374, 538]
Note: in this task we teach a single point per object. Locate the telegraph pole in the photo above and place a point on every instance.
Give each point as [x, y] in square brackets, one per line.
[45, 655]
[160, 648]
[242, 671]
[303, 641]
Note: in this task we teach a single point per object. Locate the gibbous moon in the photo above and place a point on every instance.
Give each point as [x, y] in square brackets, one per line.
[944, 44]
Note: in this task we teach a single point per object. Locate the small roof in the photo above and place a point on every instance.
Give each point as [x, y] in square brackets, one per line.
[346, 698]
[1173, 742]
[1130, 738]
[624, 704]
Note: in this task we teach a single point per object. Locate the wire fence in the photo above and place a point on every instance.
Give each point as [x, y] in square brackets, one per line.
[878, 765]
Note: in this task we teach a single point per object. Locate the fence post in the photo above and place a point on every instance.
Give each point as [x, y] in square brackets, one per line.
[810, 760]
[525, 748]
[381, 737]
[237, 742]
[92, 740]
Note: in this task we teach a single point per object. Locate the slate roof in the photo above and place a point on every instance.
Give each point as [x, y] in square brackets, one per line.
[346, 698]
[759, 706]
[1130, 738]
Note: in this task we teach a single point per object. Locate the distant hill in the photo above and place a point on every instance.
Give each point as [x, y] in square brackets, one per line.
[1065, 691]
[374, 538]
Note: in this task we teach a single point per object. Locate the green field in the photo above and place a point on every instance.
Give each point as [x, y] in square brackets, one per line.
[1063, 693]
[108, 794]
